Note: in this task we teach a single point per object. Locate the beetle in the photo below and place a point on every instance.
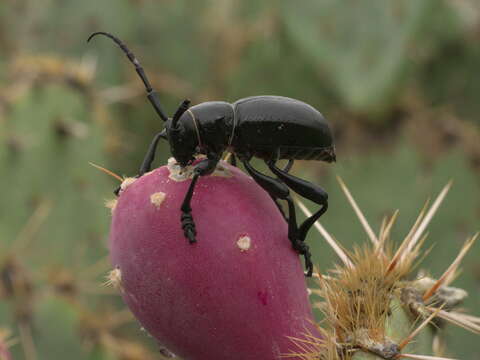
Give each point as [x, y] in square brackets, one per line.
[267, 127]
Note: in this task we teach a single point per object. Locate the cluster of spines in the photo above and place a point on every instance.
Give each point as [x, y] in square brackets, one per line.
[359, 296]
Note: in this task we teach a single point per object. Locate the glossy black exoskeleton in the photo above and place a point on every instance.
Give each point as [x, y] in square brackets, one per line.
[268, 127]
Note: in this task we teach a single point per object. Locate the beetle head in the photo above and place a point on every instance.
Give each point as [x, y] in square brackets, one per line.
[182, 135]
[183, 143]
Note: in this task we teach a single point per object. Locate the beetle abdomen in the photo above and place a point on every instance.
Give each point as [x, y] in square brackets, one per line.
[324, 154]
[297, 153]
[271, 125]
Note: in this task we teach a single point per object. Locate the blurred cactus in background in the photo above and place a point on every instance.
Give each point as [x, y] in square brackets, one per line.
[398, 80]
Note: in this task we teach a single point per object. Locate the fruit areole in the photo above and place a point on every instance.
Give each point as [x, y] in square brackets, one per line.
[238, 293]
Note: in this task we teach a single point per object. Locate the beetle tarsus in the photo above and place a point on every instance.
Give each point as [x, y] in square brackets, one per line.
[304, 249]
[188, 227]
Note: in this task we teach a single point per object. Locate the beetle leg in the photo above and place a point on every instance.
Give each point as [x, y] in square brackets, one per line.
[289, 165]
[188, 225]
[307, 190]
[280, 208]
[204, 167]
[149, 156]
[287, 168]
[278, 190]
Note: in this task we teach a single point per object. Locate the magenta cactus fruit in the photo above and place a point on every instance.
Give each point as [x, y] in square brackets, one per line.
[238, 293]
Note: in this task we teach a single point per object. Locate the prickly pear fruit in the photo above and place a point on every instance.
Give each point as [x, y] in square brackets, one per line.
[238, 293]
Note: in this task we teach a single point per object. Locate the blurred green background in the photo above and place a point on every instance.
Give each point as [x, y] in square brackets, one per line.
[398, 80]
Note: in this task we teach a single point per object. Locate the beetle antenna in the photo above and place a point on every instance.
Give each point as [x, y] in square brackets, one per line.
[151, 94]
[181, 109]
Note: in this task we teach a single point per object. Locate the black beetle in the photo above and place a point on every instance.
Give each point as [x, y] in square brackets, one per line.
[267, 127]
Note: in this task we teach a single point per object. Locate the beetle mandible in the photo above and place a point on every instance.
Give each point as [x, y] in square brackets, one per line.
[268, 127]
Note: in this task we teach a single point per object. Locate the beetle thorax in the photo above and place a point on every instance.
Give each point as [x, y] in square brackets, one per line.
[210, 123]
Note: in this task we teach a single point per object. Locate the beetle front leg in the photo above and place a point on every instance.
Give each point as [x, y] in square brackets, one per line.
[186, 218]
[149, 157]
[205, 167]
